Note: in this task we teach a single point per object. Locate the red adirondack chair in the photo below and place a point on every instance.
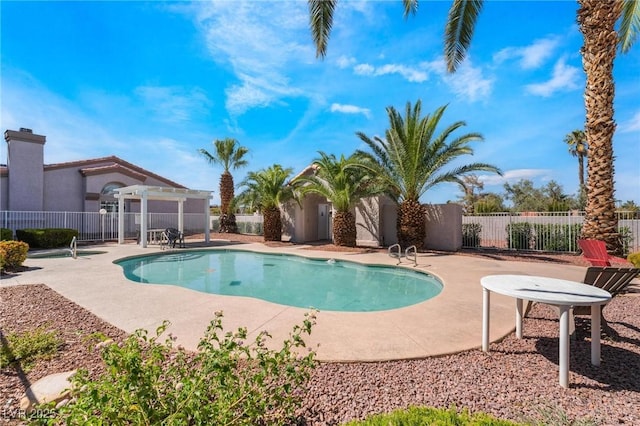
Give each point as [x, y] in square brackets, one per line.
[595, 251]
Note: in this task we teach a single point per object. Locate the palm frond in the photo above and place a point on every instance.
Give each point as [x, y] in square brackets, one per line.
[459, 29]
[410, 7]
[320, 22]
[629, 24]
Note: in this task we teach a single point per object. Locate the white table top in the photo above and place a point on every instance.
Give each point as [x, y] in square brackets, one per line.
[546, 290]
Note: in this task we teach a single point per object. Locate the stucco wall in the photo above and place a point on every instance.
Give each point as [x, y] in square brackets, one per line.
[444, 227]
[368, 215]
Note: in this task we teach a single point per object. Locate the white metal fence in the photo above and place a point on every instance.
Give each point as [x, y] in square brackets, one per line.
[247, 223]
[555, 232]
[94, 226]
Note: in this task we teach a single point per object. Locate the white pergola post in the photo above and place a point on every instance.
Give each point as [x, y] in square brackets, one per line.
[207, 221]
[143, 220]
[120, 218]
[181, 215]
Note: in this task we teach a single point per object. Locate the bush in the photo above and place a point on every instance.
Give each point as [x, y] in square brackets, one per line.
[13, 254]
[556, 237]
[519, 236]
[26, 348]
[635, 259]
[226, 382]
[423, 416]
[47, 237]
[471, 234]
[626, 238]
[6, 234]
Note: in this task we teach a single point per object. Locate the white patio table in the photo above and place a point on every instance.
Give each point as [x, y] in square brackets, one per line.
[561, 293]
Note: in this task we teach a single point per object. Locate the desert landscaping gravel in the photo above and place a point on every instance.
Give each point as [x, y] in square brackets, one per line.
[517, 380]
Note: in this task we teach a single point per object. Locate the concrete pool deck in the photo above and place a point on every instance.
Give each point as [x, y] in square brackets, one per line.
[448, 323]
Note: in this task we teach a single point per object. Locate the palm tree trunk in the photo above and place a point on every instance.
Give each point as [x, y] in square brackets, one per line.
[411, 224]
[344, 229]
[272, 224]
[227, 218]
[581, 170]
[597, 20]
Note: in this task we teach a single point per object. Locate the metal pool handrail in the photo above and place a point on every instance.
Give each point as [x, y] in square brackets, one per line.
[73, 248]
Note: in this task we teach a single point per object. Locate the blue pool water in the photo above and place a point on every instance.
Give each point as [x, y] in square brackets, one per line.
[286, 279]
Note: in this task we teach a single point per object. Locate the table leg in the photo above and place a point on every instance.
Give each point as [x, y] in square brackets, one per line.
[519, 318]
[564, 346]
[595, 334]
[485, 319]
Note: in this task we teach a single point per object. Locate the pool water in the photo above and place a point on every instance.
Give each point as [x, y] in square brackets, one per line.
[332, 285]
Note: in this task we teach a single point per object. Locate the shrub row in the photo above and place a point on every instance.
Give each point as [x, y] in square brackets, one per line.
[47, 237]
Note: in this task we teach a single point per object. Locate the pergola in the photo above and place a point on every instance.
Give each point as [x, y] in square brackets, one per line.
[145, 193]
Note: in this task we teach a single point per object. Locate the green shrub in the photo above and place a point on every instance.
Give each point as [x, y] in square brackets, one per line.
[425, 416]
[228, 381]
[13, 254]
[471, 234]
[6, 234]
[519, 235]
[556, 237]
[47, 237]
[28, 347]
[626, 237]
[635, 259]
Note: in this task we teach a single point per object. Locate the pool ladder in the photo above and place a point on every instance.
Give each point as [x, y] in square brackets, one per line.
[395, 251]
[73, 248]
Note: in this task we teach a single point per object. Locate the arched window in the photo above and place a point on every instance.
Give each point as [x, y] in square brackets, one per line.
[107, 199]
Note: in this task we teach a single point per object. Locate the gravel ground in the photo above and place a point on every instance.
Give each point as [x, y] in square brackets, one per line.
[517, 380]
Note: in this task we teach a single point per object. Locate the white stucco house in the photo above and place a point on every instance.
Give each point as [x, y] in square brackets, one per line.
[375, 221]
[91, 186]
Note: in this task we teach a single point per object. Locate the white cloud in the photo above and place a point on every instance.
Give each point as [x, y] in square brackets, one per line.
[468, 82]
[259, 41]
[345, 61]
[173, 104]
[532, 56]
[411, 74]
[350, 109]
[513, 176]
[565, 78]
[631, 125]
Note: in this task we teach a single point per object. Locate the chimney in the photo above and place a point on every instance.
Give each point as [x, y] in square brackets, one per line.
[25, 165]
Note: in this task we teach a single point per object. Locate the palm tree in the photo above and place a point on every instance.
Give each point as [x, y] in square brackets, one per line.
[577, 142]
[229, 154]
[410, 160]
[344, 182]
[597, 19]
[268, 189]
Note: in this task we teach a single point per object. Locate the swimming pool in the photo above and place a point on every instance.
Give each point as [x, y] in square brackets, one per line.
[325, 284]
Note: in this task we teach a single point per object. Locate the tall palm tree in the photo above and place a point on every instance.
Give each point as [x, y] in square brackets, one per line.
[268, 189]
[597, 19]
[344, 182]
[229, 154]
[577, 142]
[411, 160]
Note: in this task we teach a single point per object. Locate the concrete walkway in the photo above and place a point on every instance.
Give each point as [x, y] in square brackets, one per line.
[450, 322]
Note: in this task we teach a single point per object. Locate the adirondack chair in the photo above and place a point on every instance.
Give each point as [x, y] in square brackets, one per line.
[612, 279]
[595, 252]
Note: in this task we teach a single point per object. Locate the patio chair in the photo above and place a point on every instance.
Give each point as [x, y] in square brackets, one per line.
[172, 236]
[612, 279]
[595, 252]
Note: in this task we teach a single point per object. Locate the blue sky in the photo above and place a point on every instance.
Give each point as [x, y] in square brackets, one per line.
[152, 82]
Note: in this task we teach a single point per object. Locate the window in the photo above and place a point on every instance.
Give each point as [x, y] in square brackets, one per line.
[107, 199]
